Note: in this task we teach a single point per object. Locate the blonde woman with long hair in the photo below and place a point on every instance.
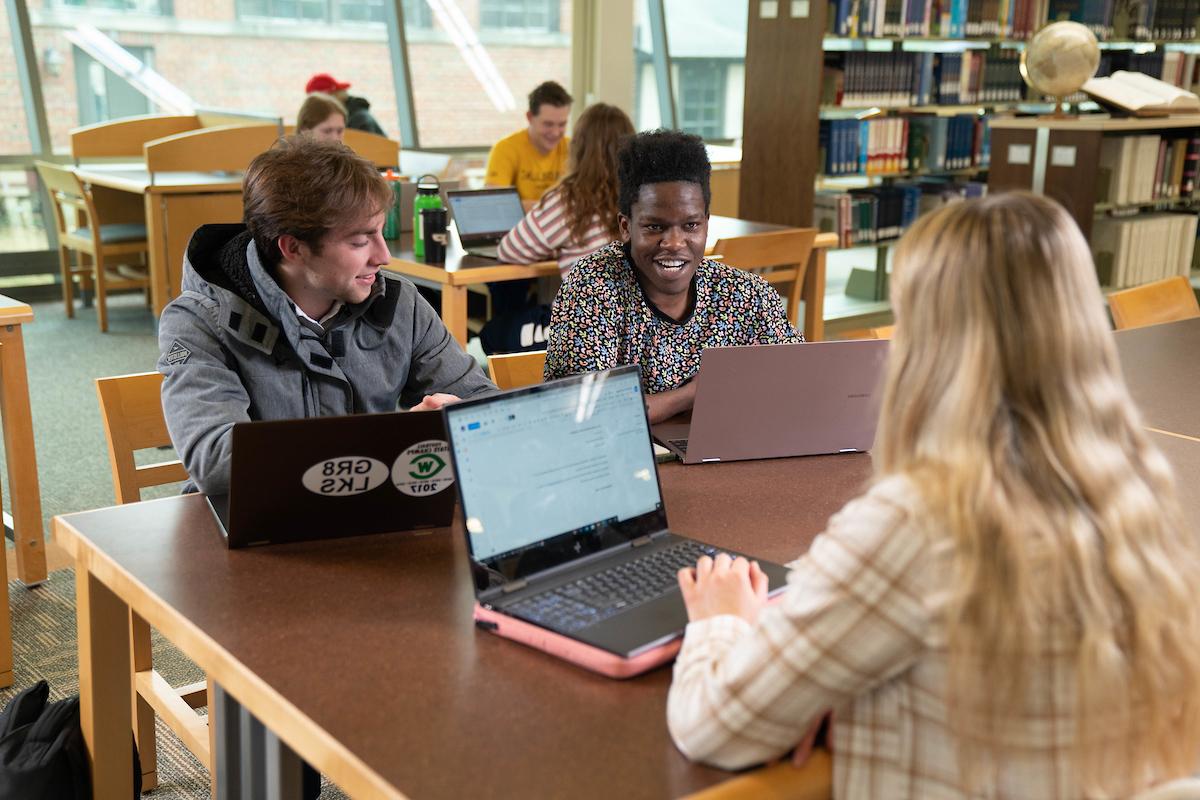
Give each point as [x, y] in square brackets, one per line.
[1011, 608]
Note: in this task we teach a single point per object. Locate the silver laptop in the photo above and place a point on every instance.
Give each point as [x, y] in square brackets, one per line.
[565, 520]
[483, 216]
[779, 400]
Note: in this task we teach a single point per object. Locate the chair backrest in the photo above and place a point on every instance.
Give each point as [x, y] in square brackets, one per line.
[125, 137]
[226, 148]
[882, 332]
[379, 150]
[1168, 300]
[66, 191]
[514, 370]
[131, 406]
[783, 255]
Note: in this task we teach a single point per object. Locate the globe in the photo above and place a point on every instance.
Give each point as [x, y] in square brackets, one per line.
[1060, 58]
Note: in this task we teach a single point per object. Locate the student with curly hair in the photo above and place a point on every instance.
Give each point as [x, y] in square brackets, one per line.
[653, 298]
[1010, 610]
[579, 215]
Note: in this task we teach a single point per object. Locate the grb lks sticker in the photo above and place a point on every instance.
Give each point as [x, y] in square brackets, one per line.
[423, 469]
[345, 476]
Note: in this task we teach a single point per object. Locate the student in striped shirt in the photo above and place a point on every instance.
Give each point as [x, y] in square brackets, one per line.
[1010, 610]
[579, 215]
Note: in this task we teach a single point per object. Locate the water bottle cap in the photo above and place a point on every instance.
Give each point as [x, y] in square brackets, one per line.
[428, 184]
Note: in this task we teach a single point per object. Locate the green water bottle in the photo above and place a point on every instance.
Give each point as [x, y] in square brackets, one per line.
[391, 223]
[428, 196]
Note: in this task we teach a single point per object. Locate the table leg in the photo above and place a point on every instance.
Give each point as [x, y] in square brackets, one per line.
[25, 498]
[105, 684]
[6, 654]
[814, 296]
[454, 312]
[156, 236]
[251, 762]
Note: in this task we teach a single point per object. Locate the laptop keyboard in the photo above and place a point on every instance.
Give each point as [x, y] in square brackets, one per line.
[680, 444]
[598, 596]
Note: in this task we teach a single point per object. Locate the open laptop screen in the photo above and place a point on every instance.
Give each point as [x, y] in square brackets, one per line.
[485, 214]
[564, 468]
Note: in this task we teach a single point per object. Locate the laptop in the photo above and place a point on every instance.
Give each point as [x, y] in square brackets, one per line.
[565, 522]
[408, 192]
[327, 477]
[483, 216]
[780, 400]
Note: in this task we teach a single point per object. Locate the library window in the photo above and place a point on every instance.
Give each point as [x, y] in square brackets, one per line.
[302, 10]
[417, 14]
[528, 15]
[162, 8]
[701, 96]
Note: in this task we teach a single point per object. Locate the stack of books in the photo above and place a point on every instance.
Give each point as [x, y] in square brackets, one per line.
[1009, 19]
[888, 145]
[883, 213]
[1144, 169]
[902, 79]
[1133, 250]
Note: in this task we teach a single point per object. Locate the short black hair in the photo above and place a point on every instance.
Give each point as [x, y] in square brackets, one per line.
[548, 93]
[661, 157]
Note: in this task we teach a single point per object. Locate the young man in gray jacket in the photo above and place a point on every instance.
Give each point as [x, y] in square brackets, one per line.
[289, 315]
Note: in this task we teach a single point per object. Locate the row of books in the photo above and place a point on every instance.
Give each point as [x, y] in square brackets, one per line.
[899, 79]
[1134, 250]
[1164, 20]
[1158, 20]
[895, 144]
[1146, 168]
[1180, 69]
[1009, 19]
[882, 213]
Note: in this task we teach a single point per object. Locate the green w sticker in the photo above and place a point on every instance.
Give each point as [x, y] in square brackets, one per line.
[426, 466]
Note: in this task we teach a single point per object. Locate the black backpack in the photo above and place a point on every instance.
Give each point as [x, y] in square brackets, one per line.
[42, 753]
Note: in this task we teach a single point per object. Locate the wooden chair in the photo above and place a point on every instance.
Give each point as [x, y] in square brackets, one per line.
[779, 256]
[131, 408]
[109, 249]
[1168, 300]
[782, 781]
[514, 370]
[125, 137]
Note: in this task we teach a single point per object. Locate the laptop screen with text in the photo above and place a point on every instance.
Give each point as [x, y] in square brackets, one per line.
[565, 461]
[486, 213]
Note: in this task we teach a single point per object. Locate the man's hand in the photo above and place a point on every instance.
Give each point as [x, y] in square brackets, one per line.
[432, 402]
[723, 586]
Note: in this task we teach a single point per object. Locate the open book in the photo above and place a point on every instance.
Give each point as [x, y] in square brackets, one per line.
[1142, 94]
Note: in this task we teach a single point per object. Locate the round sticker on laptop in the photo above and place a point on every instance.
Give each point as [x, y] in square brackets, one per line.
[423, 469]
[345, 476]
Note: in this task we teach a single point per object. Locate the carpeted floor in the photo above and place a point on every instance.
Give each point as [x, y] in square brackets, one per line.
[63, 358]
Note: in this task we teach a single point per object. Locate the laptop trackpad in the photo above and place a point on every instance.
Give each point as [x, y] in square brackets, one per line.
[642, 627]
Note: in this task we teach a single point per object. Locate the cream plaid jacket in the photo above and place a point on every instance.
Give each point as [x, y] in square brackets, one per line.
[855, 634]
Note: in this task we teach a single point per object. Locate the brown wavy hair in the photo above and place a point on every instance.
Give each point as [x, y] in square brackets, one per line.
[317, 108]
[589, 189]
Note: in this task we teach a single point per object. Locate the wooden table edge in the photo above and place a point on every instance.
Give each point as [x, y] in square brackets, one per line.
[310, 741]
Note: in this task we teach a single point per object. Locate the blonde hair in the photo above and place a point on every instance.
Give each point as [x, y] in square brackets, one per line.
[1005, 405]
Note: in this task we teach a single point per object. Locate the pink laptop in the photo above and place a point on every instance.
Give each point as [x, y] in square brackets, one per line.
[566, 526]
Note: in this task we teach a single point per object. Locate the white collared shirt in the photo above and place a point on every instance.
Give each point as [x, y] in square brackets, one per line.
[337, 306]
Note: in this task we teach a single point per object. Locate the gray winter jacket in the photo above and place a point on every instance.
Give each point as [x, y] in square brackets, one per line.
[232, 349]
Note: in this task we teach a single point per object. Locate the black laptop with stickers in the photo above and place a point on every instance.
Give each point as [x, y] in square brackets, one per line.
[327, 477]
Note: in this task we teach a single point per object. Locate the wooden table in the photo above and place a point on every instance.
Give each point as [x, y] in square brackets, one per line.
[462, 270]
[1162, 368]
[173, 205]
[361, 654]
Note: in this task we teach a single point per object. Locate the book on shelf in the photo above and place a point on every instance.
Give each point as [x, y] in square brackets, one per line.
[1141, 94]
[882, 213]
[890, 145]
[1148, 247]
[1143, 169]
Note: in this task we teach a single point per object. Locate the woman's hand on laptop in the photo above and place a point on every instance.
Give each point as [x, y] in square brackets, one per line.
[723, 585]
[432, 402]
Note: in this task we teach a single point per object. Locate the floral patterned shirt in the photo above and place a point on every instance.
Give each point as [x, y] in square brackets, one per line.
[601, 319]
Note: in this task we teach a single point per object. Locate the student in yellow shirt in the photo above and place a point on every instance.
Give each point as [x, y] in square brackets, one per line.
[532, 160]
